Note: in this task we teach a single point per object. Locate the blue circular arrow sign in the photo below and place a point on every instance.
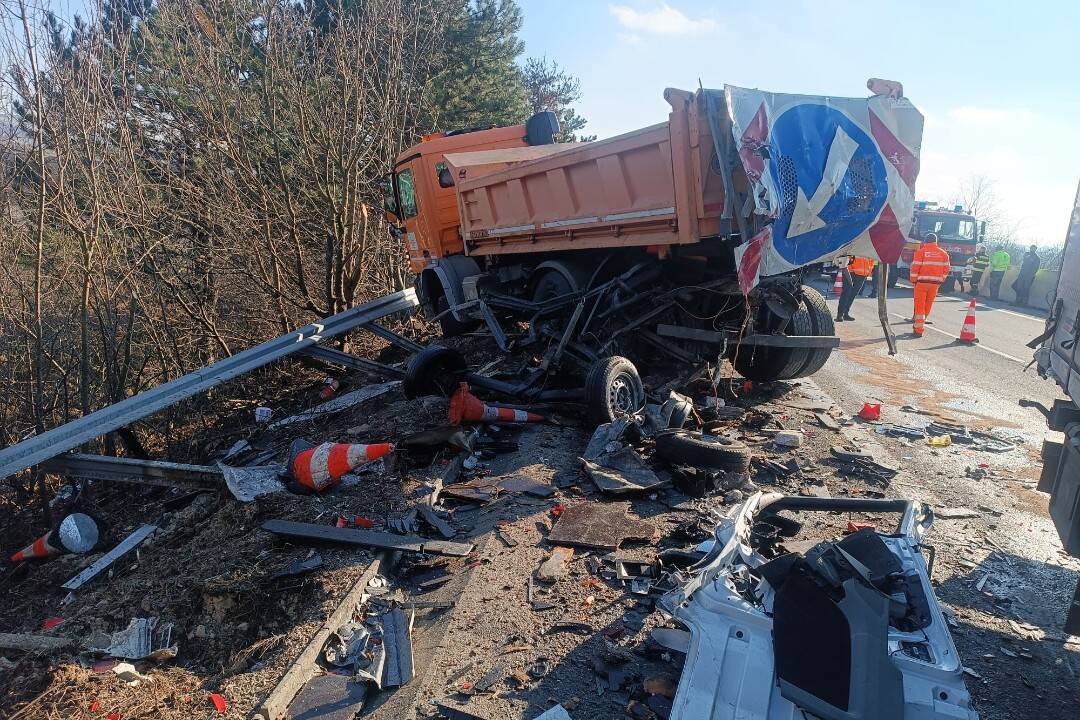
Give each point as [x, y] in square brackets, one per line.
[830, 179]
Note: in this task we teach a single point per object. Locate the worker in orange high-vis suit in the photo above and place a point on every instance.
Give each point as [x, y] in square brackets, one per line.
[929, 268]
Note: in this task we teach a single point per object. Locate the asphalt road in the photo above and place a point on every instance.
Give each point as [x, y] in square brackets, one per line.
[1002, 574]
[985, 380]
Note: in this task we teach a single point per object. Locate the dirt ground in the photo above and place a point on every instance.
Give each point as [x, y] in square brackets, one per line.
[210, 572]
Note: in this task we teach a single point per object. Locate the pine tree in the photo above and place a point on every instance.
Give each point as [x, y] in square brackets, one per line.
[480, 84]
[549, 87]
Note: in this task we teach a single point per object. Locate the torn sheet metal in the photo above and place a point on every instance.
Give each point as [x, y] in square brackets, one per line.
[126, 545]
[730, 605]
[248, 483]
[622, 471]
[397, 632]
[603, 526]
[142, 639]
[341, 402]
[835, 175]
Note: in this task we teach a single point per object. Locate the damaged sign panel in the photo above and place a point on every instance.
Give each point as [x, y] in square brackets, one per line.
[835, 175]
[850, 629]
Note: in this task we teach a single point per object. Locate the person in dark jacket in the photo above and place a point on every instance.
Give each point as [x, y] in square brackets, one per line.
[978, 263]
[1029, 268]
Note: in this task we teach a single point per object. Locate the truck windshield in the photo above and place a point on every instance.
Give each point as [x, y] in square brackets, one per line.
[407, 194]
[948, 228]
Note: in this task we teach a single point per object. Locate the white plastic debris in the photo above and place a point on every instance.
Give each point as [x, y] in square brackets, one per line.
[788, 438]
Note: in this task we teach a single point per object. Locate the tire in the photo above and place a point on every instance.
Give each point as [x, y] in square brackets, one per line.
[435, 370]
[710, 451]
[776, 363]
[450, 325]
[613, 389]
[821, 321]
[949, 285]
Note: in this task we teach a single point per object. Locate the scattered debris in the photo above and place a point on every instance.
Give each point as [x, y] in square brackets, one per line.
[555, 566]
[33, 643]
[126, 545]
[870, 411]
[341, 402]
[137, 641]
[366, 538]
[329, 696]
[248, 483]
[603, 526]
[555, 713]
[827, 421]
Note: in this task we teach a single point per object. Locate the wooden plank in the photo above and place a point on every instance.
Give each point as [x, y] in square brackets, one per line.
[126, 545]
[276, 705]
[33, 643]
[366, 538]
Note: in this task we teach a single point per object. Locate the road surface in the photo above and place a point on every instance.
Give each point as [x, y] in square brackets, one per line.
[1003, 574]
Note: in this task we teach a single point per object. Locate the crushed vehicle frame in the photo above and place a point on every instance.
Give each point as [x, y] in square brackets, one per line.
[832, 649]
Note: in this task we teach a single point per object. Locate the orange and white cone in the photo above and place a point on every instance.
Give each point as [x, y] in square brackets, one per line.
[466, 407]
[40, 548]
[967, 332]
[329, 387]
[838, 286]
[320, 467]
[78, 533]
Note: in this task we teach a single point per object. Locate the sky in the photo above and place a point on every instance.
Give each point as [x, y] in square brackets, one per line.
[997, 82]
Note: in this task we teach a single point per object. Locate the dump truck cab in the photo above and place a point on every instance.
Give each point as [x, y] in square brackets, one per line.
[419, 195]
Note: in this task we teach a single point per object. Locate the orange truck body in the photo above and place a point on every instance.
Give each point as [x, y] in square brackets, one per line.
[654, 187]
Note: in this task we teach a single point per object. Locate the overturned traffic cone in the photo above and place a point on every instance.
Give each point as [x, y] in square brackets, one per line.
[967, 332]
[319, 467]
[466, 407]
[838, 286]
[330, 386]
[78, 533]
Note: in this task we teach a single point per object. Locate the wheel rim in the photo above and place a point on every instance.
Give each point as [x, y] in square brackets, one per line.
[622, 395]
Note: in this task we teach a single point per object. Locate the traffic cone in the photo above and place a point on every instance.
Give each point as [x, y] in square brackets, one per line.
[967, 333]
[466, 407]
[78, 533]
[838, 286]
[321, 466]
[329, 387]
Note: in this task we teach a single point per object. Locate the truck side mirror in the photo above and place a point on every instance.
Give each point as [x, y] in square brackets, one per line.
[982, 231]
[446, 179]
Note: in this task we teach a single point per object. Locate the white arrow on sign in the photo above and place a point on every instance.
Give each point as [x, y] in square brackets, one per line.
[806, 214]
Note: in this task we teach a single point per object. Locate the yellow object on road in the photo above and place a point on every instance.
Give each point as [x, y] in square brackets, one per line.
[939, 440]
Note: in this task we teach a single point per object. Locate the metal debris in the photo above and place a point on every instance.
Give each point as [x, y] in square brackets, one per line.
[126, 545]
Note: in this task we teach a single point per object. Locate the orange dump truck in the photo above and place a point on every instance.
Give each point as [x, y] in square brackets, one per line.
[612, 251]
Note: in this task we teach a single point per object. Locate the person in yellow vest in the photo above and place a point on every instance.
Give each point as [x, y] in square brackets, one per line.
[858, 269]
[999, 263]
[929, 268]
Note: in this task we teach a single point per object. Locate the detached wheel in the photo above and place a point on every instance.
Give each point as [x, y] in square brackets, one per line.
[613, 389]
[435, 370]
[708, 451]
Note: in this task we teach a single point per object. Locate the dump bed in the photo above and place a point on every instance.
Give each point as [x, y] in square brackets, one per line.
[644, 188]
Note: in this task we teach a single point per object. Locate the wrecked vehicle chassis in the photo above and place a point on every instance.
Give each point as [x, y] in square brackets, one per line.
[851, 629]
[589, 344]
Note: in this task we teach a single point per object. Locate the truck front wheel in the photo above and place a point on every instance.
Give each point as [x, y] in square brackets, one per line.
[613, 389]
